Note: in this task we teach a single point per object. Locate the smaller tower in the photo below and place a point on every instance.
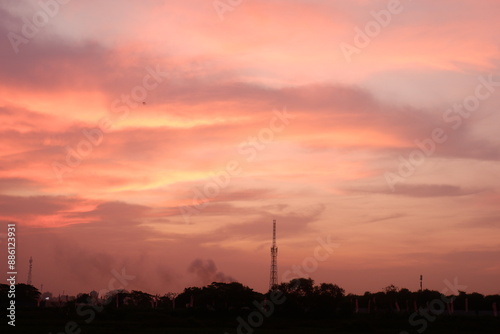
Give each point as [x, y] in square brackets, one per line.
[273, 280]
[421, 279]
[29, 271]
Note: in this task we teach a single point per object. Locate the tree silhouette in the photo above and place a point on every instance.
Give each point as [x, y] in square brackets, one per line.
[26, 295]
[217, 297]
[141, 299]
[304, 298]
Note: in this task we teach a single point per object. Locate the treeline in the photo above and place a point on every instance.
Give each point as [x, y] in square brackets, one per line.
[298, 297]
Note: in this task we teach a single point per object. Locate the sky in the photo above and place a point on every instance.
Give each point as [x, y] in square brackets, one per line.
[161, 138]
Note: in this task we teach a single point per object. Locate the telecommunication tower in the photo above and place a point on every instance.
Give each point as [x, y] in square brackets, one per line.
[29, 271]
[273, 280]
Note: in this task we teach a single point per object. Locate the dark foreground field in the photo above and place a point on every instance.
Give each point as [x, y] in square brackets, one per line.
[155, 321]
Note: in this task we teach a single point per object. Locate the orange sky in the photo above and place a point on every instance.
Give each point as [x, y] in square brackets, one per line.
[150, 135]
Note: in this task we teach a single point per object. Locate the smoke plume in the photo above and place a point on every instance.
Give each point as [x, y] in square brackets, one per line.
[207, 272]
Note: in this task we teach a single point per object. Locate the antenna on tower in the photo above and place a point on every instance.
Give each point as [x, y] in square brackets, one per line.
[29, 272]
[421, 279]
[273, 280]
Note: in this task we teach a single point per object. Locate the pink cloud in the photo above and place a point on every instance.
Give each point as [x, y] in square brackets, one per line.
[322, 173]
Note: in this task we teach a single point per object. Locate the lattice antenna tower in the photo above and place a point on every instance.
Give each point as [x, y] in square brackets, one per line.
[273, 280]
[29, 271]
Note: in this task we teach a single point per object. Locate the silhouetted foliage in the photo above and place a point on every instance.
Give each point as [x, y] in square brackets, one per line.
[141, 299]
[217, 297]
[303, 297]
[25, 295]
[83, 298]
[300, 297]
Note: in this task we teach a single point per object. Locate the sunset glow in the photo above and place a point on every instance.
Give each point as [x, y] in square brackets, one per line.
[147, 134]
